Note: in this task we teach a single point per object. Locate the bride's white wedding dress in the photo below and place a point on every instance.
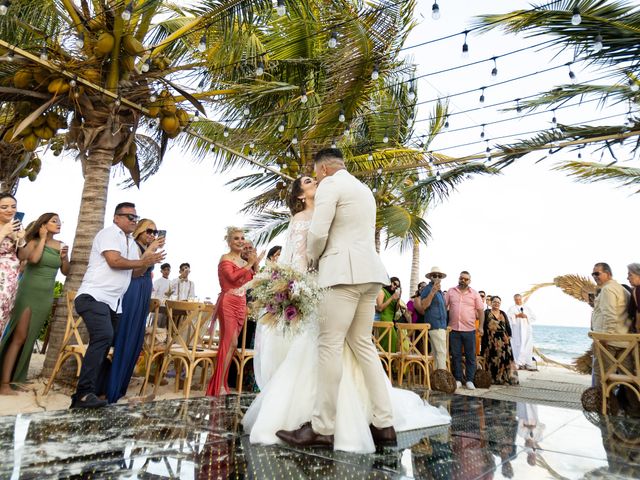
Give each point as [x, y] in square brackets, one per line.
[286, 369]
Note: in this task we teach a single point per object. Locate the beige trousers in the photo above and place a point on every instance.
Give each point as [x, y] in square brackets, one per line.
[438, 340]
[346, 314]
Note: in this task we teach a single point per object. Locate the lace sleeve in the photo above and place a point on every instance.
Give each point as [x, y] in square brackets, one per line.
[294, 252]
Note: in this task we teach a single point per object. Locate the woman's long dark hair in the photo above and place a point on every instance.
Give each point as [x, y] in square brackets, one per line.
[391, 280]
[295, 204]
[33, 232]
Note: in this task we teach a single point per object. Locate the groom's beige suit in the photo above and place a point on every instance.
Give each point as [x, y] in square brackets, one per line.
[341, 242]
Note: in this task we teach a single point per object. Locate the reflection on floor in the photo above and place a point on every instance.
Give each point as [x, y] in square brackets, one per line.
[202, 439]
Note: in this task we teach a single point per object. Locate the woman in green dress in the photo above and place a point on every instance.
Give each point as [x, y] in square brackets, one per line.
[386, 306]
[45, 256]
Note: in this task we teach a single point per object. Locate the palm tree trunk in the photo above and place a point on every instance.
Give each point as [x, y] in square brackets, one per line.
[415, 267]
[10, 157]
[377, 237]
[96, 168]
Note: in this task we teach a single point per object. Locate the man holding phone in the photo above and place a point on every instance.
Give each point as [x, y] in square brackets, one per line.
[432, 307]
[114, 256]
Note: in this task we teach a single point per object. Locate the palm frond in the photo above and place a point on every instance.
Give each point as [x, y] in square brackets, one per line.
[268, 225]
[587, 172]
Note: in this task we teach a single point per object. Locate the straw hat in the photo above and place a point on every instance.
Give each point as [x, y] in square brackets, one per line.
[435, 270]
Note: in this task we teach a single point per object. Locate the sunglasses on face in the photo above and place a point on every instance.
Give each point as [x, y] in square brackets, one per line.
[397, 285]
[436, 275]
[130, 216]
[151, 231]
[595, 274]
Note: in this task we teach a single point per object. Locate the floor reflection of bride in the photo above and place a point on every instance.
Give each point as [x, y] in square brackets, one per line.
[286, 367]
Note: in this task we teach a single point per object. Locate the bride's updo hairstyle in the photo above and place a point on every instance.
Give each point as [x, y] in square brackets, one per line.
[230, 231]
[295, 204]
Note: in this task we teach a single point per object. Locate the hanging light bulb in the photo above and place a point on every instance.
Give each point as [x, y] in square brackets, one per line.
[153, 97]
[597, 43]
[43, 53]
[375, 74]
[200, 87]
[260, 69]
[117, 102]
[374, 189]
[282, 126]
[10, 56]
[333, 40]
[579, 155]
[518, 106]
[572, 75]
[370, 157]
[341, 117]
[225, 133]
[446, 122]
[73, 82]
[487, 153]
[465, 46]
[554, 120]
[385, 139]
[482, 133]
[576, 19]
[4, 7]
[379, 171]
[347, 131]
[252, 145]
[126, 13]
[435, 11]
[334, 144]
[633, 85]
[481, 99]
[411, 94]
[202, 46]
[494, 72]
[246, 112]
[79, 41]
[281, 9]
[438, 176]
[303, 94]
[294, 140]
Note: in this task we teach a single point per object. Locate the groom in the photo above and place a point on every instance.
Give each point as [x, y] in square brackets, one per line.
[341, 244]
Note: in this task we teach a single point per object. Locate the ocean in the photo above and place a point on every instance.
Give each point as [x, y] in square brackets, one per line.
[562, 344]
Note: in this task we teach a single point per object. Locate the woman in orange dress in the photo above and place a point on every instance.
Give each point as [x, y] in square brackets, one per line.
[231, 309]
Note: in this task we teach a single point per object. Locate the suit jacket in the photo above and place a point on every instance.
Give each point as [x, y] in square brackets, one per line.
[341, 238]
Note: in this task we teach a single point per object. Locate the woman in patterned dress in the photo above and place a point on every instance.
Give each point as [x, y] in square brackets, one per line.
[496, 345]
[11, 239]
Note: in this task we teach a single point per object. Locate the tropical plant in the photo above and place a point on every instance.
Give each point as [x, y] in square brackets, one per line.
[93, 78]
[606, 34]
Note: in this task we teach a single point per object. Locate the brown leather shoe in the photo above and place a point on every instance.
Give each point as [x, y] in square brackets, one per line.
[384, 437]
[305, 437]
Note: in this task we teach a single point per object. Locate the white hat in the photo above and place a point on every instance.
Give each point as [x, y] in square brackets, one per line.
[435, 270]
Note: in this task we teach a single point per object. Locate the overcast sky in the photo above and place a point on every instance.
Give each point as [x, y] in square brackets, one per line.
[525, 226]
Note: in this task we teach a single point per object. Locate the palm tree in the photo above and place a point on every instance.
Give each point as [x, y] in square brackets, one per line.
[607, 35]
[89, 72]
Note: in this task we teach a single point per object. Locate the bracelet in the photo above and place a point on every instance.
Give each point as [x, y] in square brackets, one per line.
[21, 243]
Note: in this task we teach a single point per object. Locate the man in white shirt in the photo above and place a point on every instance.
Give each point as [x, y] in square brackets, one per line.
[162, 286]
[114, 255]
[521, 317]
[182, 288]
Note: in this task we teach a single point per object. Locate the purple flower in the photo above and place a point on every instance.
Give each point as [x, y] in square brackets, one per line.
[281, 297]
[270, 308]
[275, 275]
[290, 313]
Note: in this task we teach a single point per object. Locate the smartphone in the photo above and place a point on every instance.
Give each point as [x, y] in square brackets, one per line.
[162, 233]
[19, 216]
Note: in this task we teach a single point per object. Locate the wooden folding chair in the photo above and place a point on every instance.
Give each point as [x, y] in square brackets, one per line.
[383, 334]
[188, 322]
[414, 337]
[153, 348]
[243, 355]
[72, 343]
[620, 367]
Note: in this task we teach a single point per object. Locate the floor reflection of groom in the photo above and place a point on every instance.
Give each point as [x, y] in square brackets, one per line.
[341, 243]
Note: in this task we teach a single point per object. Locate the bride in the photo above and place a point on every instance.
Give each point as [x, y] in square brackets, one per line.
[286, 367]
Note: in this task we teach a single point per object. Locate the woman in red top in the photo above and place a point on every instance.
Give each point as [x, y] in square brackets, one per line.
[231, 309]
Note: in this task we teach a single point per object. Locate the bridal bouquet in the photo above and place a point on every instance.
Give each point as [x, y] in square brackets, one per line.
[284, 298]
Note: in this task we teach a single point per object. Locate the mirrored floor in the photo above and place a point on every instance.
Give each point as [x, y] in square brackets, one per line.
[203, 439]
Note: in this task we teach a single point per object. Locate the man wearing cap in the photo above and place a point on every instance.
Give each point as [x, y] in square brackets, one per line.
[432, 306]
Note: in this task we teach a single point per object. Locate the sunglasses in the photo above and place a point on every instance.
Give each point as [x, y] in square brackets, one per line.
[151, 231]
[397, 285]
[595, 274]
[130, 216]
[436, 275]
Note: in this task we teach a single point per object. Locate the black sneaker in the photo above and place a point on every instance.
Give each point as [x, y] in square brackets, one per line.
[90, 401]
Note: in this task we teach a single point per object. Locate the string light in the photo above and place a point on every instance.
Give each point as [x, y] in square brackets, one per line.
[347, 130]
[375, 73]
[334, 144]
[633, 85]
[10, 56]
[370, 157]
[252, 145]
[341, 117]
[282, 126]
[281, 9]
[465, 46]
[303, 94]
[126, 13]
[379, 170]
[446, 122]
[518, 106]
[487, 151]
[43, 53]
[294, 140]
[438, 176]
[73, 82]
[385, 139]
[146, 65]
[260, 69]
[494, 72]
[572, 75]
[202, 46]
[482, 133]
[79, 41]
[597, 44]
[554, 120]
[411, 94]
[117, 102]
[482, 95]
[4, 6]
[200, 88]
[246, 112]
[435, 11]
[225, 134]
[576, 19]
[333, 40]
[153, 98]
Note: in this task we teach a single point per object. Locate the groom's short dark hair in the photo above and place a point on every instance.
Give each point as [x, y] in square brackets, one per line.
[328, 154]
